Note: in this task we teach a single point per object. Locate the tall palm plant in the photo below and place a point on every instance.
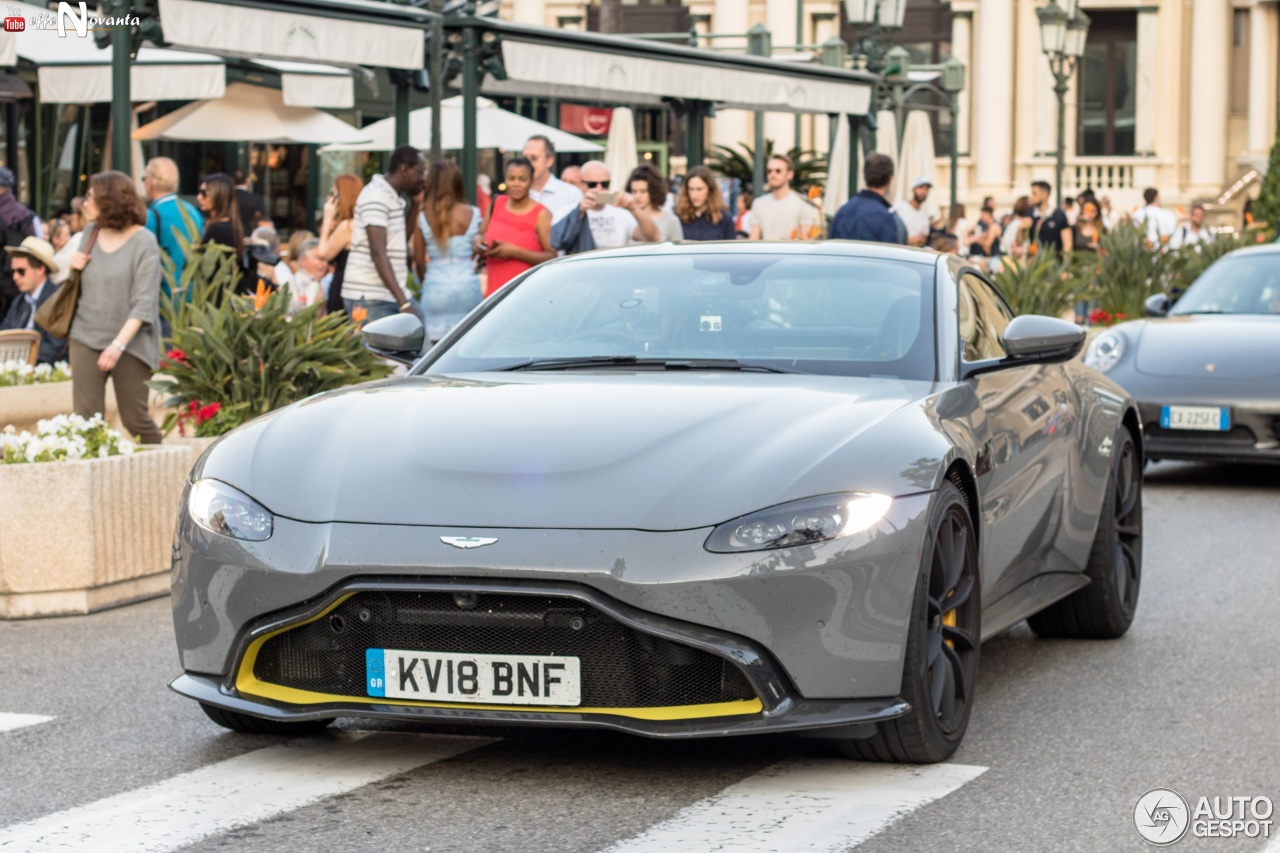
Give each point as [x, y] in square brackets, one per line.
[811, 167]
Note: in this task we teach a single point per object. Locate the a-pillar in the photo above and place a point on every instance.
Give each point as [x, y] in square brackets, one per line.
[1263, 23]
[993, 110]
[1210, 42]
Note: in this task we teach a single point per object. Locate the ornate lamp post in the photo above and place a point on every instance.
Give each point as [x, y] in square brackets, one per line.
[1063, 30]
[876, 21]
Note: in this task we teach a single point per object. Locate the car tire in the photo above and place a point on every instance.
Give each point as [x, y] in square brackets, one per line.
[1104, 609]
[940, 669]
[251, 725]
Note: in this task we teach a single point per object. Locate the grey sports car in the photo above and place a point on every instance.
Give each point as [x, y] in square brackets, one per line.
[675, 490]
[1206, 369]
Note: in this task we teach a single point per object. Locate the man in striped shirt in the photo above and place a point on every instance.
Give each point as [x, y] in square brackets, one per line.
[379, 261]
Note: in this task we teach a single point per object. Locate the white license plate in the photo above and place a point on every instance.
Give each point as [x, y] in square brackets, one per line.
[485, 679]
[1210, 418]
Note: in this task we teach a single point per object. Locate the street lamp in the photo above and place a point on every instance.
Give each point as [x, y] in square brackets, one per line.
[953, 72]
[876, 20]
[1063, 31]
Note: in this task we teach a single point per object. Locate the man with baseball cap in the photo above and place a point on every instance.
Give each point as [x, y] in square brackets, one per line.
[914, 214]
[31, 263]
[16, 222]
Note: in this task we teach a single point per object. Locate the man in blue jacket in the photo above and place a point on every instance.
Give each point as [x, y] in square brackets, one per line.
[164, 219]
[867, 216]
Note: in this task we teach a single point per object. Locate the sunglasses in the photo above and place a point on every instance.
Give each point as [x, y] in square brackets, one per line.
[202, 191]
[21, 270]
[596, 185]
[775, 171]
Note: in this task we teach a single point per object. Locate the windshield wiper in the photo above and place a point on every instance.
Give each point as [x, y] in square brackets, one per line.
[636, 361]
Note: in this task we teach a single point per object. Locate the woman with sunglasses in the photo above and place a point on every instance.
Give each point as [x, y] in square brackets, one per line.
[516, 236]
[217, 201]
[116, 328]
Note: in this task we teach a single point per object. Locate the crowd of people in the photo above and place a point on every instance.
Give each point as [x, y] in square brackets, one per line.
[408, 241]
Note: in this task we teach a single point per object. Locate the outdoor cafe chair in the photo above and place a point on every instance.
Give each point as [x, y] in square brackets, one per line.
[19, 345]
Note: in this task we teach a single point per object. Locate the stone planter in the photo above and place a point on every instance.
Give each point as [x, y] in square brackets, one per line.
[76, 537]
[195, 446]
[23, 405]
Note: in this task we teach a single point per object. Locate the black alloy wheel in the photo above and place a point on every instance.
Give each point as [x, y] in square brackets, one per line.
[940, 672]
[1104, 609]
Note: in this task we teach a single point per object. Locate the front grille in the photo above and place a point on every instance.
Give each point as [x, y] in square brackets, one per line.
[621, 667]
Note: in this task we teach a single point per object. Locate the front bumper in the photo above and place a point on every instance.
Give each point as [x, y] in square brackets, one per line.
[833, 616]
[774, 705]
[1254, 435]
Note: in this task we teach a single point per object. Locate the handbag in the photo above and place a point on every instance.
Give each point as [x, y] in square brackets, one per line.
[57, 312]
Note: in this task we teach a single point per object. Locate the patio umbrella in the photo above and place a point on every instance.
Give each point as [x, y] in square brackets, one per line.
[887, 143]
[249, 114]
[837, 191]
[495, 128]
[621, 155]
[917, 157]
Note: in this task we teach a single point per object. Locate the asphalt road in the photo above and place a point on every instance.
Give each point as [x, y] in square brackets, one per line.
[1065, 738]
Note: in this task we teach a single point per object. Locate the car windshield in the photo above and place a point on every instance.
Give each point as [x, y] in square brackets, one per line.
[820, 314]
[1239, 284]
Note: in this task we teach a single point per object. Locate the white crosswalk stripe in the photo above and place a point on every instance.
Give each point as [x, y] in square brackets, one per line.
[243, 790]
[814, 806]
[9, 722]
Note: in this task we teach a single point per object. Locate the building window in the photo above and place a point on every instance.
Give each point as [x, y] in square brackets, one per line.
[1240, 61]
[1108, 86]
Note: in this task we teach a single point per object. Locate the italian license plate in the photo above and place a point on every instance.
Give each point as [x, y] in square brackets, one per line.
[485, 679]
[1210, 418]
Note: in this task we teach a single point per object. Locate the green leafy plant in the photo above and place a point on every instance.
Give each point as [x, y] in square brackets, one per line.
[810, 167]
[246, 354]
[1042, 284]
[1266, 209]
[1130, 270]
[1190, 262]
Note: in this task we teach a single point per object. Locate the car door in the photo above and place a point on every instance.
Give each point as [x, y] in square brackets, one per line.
[1022, 443]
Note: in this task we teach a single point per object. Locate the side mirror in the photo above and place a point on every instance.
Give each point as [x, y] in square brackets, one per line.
[1035, 338]
[398, 337]
[1157, 305]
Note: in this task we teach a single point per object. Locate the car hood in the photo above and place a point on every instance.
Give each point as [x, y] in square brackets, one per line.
[1238, 346]
[577, 450]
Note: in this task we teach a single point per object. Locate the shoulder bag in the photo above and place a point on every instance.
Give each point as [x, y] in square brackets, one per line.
[57, 312]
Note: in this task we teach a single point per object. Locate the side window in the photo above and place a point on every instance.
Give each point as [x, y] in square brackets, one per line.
[983, 318]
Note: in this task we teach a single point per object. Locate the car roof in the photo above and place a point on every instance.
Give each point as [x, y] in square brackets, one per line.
[827, 248]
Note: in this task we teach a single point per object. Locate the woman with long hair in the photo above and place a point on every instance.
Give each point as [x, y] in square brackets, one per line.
[335, 233]
[517, 234]
[217, 201]
[649, 189]
[448, 226]
[116, 328]
[701, 207]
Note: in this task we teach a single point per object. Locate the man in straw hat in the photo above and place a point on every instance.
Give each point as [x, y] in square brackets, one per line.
[32, 262]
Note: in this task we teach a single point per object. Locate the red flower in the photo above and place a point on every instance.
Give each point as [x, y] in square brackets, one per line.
[207, 412]
[193, 406]
[176, 355]
[1099, 317]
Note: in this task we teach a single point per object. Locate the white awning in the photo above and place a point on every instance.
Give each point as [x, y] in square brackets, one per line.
[573, 73]
[249, 114]
[74, 70]
[8, 50]
[254, 33]
[307, 84]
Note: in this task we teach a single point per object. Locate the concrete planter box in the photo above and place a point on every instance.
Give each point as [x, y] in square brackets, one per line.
[23, 405]
[76, 537]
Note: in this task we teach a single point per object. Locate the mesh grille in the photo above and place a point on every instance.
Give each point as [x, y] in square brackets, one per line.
[621, 667]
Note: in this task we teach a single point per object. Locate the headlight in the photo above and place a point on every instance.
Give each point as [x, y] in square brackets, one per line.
[219, 508]
[800, 523]
[1105, 351]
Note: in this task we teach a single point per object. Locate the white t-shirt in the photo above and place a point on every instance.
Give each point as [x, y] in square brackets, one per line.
[788, 218]
[1185, 235]
[377, 204]
[303, 291]
[1160, 223]
[612, 227]
[917, 220]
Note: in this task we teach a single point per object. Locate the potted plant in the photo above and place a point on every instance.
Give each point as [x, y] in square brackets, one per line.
[86, 518]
